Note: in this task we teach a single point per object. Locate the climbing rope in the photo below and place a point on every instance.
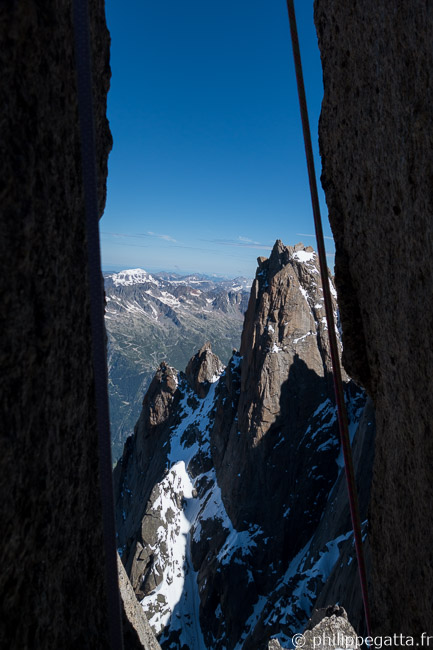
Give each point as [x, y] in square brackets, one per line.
[88, 157]
[338, 384]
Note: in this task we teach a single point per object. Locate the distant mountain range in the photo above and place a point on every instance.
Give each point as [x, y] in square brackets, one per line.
[163, 317]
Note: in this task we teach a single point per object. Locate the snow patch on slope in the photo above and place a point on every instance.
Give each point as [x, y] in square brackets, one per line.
[304, 256]
[160, 603]
[174, 605]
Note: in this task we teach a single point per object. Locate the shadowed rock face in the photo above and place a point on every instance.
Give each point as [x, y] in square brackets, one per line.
[274, 441]
[376, 134]
[52, 576]
[141, 467]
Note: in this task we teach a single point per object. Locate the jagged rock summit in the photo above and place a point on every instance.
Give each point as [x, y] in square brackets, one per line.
[328, 628]
[220, 492]
[203, 369]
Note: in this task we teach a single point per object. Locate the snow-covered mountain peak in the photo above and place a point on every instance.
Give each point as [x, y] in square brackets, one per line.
[132, 276]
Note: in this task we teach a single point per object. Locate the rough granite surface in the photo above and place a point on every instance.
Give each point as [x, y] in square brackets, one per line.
[202, 369]
[376, 137]
[52, 573]
[285, 376]
[136, 624]
[328, 627]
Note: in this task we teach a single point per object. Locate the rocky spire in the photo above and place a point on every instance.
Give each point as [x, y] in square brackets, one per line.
[133, 486]
[203, 369]
[285, 327]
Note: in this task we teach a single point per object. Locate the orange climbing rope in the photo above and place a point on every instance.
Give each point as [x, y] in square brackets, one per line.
[338, 384]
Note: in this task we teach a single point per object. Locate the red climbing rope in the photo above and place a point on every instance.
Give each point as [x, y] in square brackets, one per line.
[338, 384]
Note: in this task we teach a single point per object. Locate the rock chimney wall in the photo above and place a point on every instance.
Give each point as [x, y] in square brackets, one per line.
[376, 137]
[52, 574]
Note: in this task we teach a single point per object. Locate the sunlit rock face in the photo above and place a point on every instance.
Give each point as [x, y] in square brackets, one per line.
[285, 381]
[230, 504]
[376, 134]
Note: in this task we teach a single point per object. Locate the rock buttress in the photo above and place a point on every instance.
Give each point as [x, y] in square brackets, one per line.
[376, 136]
[285, 377]
[141, 467]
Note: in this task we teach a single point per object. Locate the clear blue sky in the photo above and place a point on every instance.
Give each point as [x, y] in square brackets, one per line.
[208, 165]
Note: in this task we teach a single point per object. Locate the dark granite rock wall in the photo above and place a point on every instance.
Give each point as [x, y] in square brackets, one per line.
[376, 134]
[52, 572]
